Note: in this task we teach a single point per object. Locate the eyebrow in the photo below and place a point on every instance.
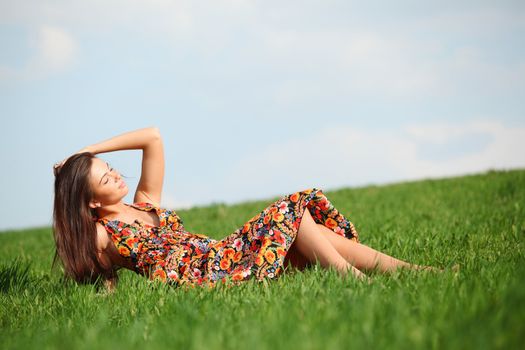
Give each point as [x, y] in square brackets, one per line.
[104, 174]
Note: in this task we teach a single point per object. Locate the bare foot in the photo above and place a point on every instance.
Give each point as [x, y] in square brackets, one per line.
[364, 278]
[361, 276]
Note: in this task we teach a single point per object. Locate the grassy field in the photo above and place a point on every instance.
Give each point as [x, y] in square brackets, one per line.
[476, 221]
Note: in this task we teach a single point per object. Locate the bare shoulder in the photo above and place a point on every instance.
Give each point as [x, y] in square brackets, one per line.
[104, 246]
[102, 237]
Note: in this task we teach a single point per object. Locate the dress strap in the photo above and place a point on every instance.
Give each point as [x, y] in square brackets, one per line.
[104, 222]
[101, 220]
[144, 206]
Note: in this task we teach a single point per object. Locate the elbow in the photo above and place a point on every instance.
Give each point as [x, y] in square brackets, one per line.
[155, 133]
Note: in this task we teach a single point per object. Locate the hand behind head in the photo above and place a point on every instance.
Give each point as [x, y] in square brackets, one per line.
[57, 167]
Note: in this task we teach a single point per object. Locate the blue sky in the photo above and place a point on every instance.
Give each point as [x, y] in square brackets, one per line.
[257, 99]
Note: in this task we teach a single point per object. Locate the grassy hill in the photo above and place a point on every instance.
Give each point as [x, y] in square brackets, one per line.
[476, 221]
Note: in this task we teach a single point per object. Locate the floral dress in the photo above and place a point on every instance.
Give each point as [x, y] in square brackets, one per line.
[257, 249]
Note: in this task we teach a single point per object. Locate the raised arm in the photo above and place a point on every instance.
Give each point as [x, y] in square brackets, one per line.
[149, 140]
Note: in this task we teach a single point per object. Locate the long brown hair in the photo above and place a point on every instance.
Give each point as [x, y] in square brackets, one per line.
[74, 229]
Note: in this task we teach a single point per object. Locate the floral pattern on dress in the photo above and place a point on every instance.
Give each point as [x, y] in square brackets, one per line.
[257, 249]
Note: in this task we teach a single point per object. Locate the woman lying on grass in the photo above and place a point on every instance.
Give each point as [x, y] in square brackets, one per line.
[96, 233]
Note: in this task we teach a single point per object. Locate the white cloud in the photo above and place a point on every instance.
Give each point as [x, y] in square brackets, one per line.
[393, 66]
[56, 48]
[412, 57]
[55, 51]
[347, 156]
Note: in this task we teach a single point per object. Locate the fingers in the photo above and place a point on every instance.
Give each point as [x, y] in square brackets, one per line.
[57, 167]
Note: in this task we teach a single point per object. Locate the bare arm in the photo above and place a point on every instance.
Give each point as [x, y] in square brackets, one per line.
[149, 141]
[104, 246]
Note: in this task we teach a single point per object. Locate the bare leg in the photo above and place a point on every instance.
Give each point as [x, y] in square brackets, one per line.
[313, 246]
[364, 257]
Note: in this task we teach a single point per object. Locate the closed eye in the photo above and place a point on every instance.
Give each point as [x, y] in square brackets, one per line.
[107, 180]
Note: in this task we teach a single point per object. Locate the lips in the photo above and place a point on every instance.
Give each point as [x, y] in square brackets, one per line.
[122, 184]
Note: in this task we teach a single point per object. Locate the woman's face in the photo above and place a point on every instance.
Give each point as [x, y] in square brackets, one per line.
[106, 183]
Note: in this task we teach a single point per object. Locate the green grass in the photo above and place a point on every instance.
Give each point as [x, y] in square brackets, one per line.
[477, 221]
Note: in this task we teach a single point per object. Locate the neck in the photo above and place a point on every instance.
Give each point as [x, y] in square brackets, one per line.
[112, 210]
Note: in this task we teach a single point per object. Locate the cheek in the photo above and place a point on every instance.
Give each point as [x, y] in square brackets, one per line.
[97, 193]
[102, 191]
[109, 192]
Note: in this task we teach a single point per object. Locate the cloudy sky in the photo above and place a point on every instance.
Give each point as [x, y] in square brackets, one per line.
[257, 99]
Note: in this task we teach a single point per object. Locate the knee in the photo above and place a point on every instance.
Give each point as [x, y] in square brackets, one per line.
[306, 220]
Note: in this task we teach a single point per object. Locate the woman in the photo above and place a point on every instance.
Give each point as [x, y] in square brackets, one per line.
[96, 232]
